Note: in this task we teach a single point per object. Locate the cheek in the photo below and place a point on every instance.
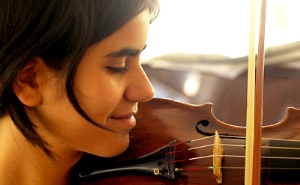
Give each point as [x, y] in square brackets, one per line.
[99, 98]
[98, 92]
[61, 125]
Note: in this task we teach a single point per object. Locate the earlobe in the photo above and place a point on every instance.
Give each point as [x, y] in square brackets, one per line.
[26, 86]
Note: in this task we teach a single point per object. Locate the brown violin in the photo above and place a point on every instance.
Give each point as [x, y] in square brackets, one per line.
[173, 143]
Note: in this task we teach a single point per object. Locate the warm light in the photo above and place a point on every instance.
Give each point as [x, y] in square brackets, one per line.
[218, 26]
[192, 83]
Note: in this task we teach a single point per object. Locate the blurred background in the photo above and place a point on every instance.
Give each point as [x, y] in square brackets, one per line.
[197, 53]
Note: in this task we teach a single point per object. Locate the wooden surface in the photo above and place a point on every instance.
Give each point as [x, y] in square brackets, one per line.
[161, 121]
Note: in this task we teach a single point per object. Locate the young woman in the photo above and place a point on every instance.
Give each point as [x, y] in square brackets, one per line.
[70, 83]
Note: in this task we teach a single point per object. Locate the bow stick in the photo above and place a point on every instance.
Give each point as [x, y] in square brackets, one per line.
[255, 100]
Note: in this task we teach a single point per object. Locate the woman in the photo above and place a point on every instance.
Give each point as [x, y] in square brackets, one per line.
[70, 83]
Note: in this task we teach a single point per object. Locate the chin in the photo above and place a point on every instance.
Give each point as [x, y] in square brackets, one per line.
[116, 148]
[120, 150]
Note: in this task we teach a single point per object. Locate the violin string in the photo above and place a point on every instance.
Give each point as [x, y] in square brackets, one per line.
[264, 138]
[231, 156]
[202, 168]
[264, 147]
[203, 157]
[230, 145]
[188, 149]
[191, 141]
[193, 169]
[278, 139]
[229, 167]
[227, 137]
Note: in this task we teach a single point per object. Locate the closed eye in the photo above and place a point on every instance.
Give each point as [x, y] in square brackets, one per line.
[118, 70]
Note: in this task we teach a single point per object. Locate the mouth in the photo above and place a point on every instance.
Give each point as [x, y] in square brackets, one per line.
[125, 122]
[127, 116]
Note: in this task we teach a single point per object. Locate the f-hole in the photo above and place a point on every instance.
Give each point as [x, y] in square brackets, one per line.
[204, 123]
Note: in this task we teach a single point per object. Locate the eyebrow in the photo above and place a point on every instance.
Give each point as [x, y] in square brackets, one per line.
[125, 52]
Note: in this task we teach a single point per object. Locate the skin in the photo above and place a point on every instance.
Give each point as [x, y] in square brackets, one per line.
[109, 83]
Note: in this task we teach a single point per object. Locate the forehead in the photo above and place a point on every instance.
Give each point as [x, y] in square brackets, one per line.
[132, 35]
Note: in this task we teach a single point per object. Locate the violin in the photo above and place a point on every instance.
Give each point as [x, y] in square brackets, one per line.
[161, 122]
[179, 143]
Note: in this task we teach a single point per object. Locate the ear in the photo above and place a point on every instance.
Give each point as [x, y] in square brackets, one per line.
[27, 83]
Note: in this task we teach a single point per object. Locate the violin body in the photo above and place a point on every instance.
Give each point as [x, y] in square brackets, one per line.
[161, 121]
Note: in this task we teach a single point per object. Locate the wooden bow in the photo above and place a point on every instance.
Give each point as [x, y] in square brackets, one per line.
[255, 99]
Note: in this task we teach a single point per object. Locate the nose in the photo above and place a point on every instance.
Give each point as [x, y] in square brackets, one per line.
[140, 88]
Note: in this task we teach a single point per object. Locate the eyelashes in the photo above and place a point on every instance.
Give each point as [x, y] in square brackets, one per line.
[117, 70]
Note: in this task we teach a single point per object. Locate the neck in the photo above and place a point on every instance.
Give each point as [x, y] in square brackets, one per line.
[22, 163]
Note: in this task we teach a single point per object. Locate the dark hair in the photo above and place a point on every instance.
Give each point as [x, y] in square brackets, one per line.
[59, 31]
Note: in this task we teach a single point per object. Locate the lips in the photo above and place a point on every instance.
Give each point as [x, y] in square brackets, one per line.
[124, 122]
[127, 116]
